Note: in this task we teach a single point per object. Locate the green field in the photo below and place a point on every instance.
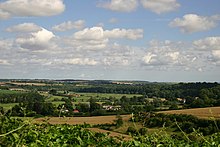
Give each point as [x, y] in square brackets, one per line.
[8, 106]
[86, 96]
[9, 92]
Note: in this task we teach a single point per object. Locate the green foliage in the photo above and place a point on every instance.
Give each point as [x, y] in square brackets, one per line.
[15, 132]
[119, 121]
[53, 91]
[179, 122]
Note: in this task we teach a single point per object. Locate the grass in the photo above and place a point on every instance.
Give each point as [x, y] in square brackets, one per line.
[10, 92]
[7, 106]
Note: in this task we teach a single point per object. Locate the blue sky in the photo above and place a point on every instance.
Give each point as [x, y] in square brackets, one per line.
[152, 40]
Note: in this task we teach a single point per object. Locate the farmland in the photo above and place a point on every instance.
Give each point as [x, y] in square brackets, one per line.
[97, 107]
[81, 120]
[207, 113]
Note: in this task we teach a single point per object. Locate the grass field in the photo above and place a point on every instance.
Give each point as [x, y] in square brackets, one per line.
[208, 113]
[8, 106]
[10, 92]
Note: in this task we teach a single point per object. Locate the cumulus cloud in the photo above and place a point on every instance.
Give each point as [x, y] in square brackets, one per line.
[31, 7]
[96, 38]
[37, 40]
[69, 25]
[88, 39]
[168, 54]
[120, 5]
[97, 33]
[160, 6]
[208, 43]
[24, 27]
[191, 23]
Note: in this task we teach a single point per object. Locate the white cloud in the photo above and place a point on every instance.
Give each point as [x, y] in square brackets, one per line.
[173, 55]
[69, 25]
[208, 43]
[24, 27]
[32, 7]
[88, 39]
[133, 34]
[97, 33]
[168, 54]
[149, 58]
[116, 61]
[5, 44]
[191, 23]
[36, 41]
[216, 55]
[80, 61]
[160, 6]
[120, 5]
[96, 38]
[4, 62]
[94, 33]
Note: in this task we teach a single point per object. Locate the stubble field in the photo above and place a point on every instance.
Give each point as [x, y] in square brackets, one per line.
[207, 113]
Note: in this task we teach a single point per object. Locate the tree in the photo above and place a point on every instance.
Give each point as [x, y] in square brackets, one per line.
[119, 121]
[1, 111]
[53, 91]
[93, 105]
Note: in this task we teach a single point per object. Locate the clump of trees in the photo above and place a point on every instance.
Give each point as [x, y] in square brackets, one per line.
[187, 123]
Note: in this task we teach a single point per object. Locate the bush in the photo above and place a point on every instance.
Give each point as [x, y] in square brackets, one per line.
[143, 131]
[131, 130]
[119, 121]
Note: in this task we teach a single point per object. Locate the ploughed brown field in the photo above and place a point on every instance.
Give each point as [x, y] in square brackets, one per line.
[210, 112]
[81, 120]
[88, 120]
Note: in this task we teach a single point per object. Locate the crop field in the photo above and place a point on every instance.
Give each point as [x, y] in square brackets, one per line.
[81, 120]
[208, 113]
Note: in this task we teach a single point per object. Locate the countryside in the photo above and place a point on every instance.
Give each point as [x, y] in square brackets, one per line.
[109, 73]
[134, 113]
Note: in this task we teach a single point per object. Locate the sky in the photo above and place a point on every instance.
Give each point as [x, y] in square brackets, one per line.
[150, 40]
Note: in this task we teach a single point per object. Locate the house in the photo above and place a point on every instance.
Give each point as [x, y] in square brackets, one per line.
[112, 108]
[75, 111]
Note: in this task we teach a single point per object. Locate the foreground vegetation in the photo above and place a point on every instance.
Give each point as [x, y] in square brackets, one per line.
[15, 132]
